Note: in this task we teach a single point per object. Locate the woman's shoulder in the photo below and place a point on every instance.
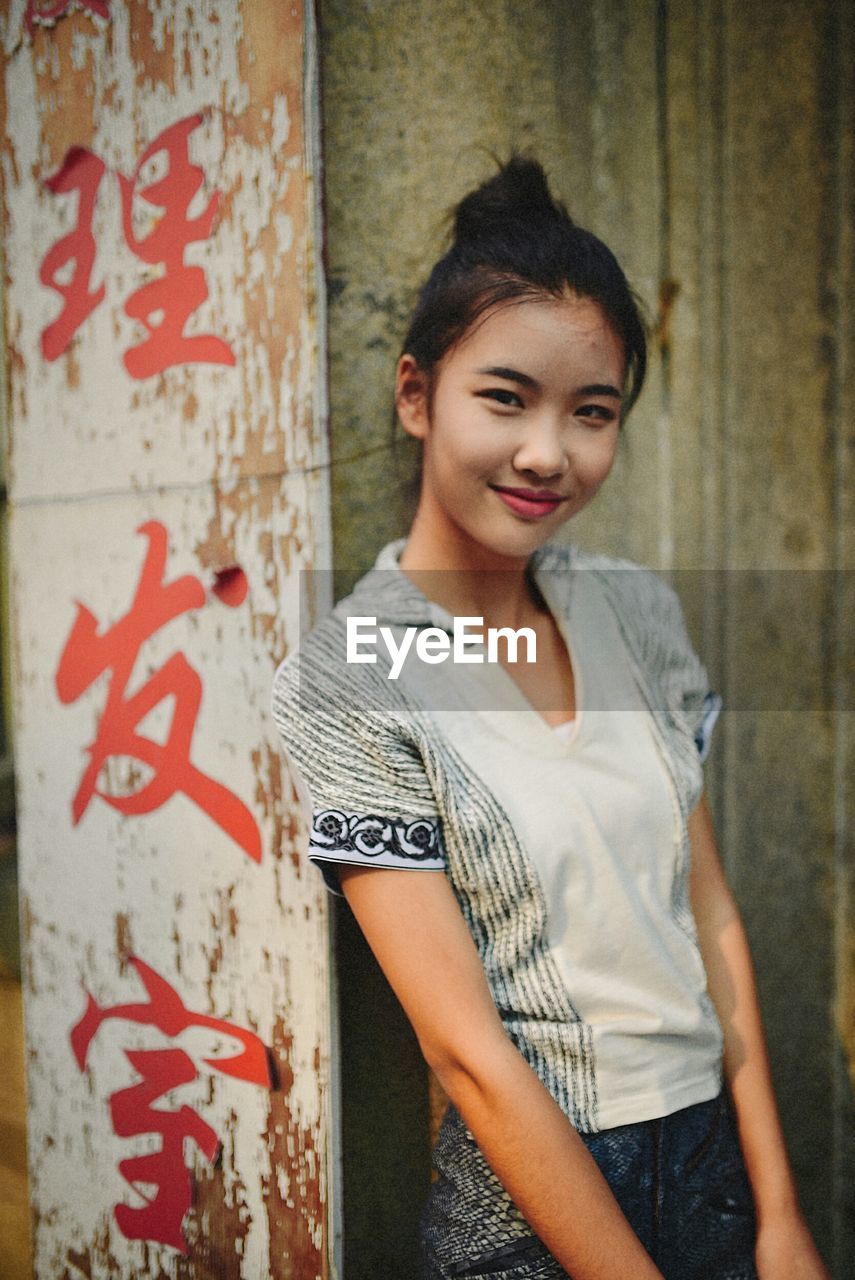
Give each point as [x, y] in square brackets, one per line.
[647, 608]
[311, 669]
[321, 670]
[324, 637]
[628, 582]
[553, 555]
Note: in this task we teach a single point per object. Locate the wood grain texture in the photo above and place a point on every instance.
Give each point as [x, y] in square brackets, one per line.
[14, 1198]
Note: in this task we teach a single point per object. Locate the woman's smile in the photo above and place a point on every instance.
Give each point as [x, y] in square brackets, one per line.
[531, 504]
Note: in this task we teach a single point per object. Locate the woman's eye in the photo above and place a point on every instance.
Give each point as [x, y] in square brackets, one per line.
[502, 395]
[599, 413]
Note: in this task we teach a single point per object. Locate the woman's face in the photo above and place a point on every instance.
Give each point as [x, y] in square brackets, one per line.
[523, 428]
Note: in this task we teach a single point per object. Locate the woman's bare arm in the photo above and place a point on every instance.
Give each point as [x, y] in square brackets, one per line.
[416, 930]
[785, 1249]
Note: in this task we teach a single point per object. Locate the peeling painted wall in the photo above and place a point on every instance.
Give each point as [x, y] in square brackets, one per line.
[167, 484]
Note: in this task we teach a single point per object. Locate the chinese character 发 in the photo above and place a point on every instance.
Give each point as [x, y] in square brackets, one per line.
[132, 1109]
[89, 653]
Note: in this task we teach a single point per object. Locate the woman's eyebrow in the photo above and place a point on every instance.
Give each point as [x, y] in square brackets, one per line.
[600, 389]
[526, 380]
[511, 375]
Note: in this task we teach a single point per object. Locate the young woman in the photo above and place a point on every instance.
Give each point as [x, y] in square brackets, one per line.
[525, 843]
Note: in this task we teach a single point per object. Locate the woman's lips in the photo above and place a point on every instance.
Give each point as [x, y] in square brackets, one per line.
[533, 503]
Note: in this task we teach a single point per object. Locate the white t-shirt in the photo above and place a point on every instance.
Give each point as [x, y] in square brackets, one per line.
[594, 808]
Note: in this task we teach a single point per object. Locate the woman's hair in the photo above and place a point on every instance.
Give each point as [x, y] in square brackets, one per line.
[513, 242]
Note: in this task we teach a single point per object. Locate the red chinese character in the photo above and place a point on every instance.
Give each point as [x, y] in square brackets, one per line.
[133, 1112]
[163, 306]
[81, 171]
[46, 12]
[88, 654]
[177, 293]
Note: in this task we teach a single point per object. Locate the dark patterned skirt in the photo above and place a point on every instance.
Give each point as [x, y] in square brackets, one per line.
[679, 1179]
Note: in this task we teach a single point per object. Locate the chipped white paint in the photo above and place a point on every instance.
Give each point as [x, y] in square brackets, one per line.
[241, 420]
[231, 462]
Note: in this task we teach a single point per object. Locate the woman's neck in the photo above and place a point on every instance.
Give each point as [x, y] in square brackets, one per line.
[468, 579]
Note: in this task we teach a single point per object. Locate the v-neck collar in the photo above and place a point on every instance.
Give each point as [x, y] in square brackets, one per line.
[389, 595]
[395, 599]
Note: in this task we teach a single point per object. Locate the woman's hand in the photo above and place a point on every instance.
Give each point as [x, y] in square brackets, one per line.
[786, 1251]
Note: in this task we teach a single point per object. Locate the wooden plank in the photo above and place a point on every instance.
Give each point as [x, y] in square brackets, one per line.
[168, 488]
[185, 857]
[14, 1199]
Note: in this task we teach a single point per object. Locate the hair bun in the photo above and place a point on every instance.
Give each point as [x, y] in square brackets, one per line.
[514, 242]
[518, 192]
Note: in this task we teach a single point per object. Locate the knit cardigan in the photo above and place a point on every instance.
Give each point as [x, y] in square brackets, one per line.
[373, 771]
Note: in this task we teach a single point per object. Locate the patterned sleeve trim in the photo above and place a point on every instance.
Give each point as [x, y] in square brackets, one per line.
[703, 738]
[368, 839]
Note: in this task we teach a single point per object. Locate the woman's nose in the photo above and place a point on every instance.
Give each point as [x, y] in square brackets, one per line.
[543, 448]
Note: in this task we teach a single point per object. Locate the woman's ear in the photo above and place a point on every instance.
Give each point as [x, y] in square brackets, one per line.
[411, 396]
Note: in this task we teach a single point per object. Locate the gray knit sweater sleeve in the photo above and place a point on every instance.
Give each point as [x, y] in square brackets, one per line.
[352, 748]
[685, 679]
[651, 618]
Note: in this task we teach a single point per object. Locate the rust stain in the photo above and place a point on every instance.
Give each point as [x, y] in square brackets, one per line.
[231, 191]
[124, 942]
[17, 386]
[108, 97]
[7, 144]
[293, 1189]
[270, 58]
[82, 1261]
[216, 550]
[269, 769]
[224, 922]
[64, 89]
[281, 897]
[219, 1219]
[72, 369]
[159, 1274]
[177, 941]
[149, 1263]
[27, 918]
[668, 291]
[153, 66]
[98, 1260]
[253, 506]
